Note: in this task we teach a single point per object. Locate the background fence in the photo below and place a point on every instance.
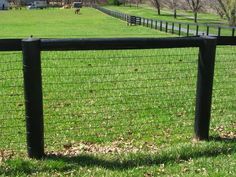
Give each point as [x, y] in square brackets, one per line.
[179, 28]
[144, 96]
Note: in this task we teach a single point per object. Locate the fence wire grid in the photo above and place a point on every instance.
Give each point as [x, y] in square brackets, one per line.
[12, 109]
[223, 120]
[135, 95]
[104, 96]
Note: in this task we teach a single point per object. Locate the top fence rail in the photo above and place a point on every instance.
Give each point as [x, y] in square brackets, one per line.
[114, 43]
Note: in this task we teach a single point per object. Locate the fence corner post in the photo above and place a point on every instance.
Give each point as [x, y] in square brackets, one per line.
[33, 97]
[206, 63]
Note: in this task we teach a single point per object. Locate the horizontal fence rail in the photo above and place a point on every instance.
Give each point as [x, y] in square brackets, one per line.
[119, 43]
[179, 28]
[10, 45]
[130, 43]
[93, 87]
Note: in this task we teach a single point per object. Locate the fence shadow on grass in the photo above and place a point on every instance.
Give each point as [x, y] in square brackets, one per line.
[136, 160]
[119, 162]
[225, 140]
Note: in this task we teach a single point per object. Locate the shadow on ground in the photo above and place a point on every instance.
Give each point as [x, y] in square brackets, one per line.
[217, 146]
[151, 159]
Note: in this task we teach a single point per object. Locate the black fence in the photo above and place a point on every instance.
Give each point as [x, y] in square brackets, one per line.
[115, 14]
[143, 78]
[133, 20]
[179, 28]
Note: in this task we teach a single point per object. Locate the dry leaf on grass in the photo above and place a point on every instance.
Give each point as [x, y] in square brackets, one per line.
[224, 133]
[5, 154]
[116, 147]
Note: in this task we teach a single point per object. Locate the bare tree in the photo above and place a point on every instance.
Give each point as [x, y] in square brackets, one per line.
[138, 2]
[214, 5]
[172, 4]
[226, 8]
[195, 6]
[157, 5]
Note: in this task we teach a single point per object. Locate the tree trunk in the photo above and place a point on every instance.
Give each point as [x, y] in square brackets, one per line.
[233, 18]
[195, 17]
[175, 13]
[158, 9]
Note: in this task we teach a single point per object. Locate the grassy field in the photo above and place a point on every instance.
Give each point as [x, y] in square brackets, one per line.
[114, 113]
[55, 23]
[184, 17]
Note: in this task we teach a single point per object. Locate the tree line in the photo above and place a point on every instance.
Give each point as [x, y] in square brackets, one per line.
[224, 8]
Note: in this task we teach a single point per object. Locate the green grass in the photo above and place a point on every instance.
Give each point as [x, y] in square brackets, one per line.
[115, 113]
[167, 14]
[204, 159]
[64, 23]
[184, 16]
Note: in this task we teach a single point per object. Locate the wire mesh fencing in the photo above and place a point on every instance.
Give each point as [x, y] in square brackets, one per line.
[143, 96]
[133, 95]
[224, 93]
[12, 120]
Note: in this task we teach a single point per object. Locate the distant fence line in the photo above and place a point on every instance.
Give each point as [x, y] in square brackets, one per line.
[179, 28]
[32, 48]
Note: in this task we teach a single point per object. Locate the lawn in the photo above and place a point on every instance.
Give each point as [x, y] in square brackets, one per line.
[167, 14]
[114, 113]
[183, 16]
[55, 23]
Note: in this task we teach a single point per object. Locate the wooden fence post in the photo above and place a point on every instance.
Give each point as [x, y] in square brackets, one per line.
[33, 97]
[206, 63]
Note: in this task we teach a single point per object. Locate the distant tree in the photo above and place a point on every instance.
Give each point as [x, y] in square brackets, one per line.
[172, 4]
[227, 8]
[195, 6]
[138, 2]
[122, 1]
[157, 5]
[214, 4]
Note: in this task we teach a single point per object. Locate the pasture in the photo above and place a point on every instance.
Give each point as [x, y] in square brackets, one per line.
[58, 23]
[185, 17]
[113, 113]
[167, 14]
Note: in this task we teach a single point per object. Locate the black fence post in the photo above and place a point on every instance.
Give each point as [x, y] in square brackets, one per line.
[187, 29]
[179, 29]
[128, 20]
[219, 31]
[166, 27]
[173, 26]
[233, 31]
[33, 97]
[208, 29]
[160, 25]
[197, 29]
[206, 64]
